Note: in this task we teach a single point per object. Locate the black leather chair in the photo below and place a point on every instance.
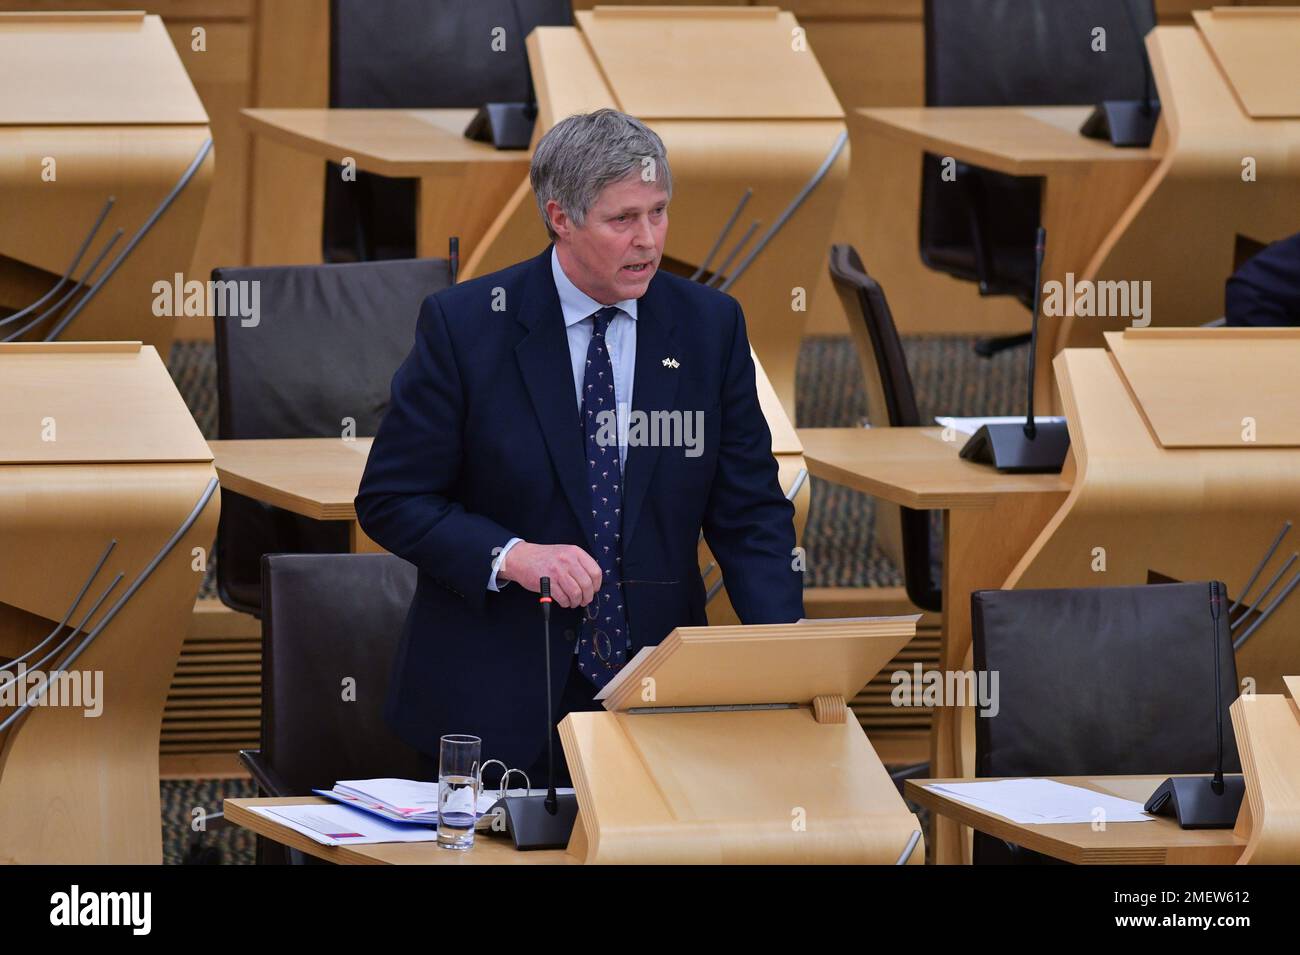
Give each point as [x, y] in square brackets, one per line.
[980, 225]
[891, 401]
[416, 54]
[329, 634]
[1082, 691]
[327, 341]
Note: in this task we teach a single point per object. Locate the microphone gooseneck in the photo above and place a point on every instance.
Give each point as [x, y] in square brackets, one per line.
[545, 600]
[1216, 784]
[1040, 245]
[1147, 77]
[530, 105]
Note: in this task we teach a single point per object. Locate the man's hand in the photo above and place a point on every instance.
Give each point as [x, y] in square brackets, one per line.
[575, 575]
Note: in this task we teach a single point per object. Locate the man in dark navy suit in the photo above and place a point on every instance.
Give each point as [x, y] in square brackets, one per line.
[579, 416]
[1265, 290]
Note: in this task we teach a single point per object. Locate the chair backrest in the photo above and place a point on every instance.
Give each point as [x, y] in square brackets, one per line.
[980, 225]
[322, 348]
[891, 399]
[325, 345]
[430, 54]
[1103, 680]
[903, 534]
[330, 629]
[417, 54]
[1034, 52]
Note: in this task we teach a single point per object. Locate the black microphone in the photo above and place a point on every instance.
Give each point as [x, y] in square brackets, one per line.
[1197, 802]
[508, 125]
[1216, 783]
[1127, 122]
[542, 822]
[530, 104]
[1040, 246]
[1028, 448]
[1148, 76]
[545, 601]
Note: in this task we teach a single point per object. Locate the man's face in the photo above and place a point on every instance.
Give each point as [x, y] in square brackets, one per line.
[613, 255]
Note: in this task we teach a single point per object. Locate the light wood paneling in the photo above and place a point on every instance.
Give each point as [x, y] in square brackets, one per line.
[291, 64]
[223, 77]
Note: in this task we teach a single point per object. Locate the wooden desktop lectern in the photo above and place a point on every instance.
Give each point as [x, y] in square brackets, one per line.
[101, 133]
[108, 507]
[1268, 738]
[734, 745]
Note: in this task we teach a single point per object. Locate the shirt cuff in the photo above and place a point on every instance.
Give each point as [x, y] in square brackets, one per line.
[501, 559]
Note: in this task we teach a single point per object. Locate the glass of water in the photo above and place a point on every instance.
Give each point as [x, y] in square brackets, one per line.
[458, 785]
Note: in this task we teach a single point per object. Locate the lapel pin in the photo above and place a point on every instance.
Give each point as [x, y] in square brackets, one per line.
[671, 363]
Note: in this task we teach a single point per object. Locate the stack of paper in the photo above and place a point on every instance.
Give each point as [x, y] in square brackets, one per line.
[397, 800]
[408, 801]
[1039, 801]
[344, 826]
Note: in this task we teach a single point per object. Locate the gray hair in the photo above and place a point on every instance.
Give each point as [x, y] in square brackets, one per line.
[581, 155]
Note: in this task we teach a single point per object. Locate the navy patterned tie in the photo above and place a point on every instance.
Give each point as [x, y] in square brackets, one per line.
[604, 640]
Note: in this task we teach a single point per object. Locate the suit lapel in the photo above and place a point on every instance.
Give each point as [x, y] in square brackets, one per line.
[547, 369]
[654, 388]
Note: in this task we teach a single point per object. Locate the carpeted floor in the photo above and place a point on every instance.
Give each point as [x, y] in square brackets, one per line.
[949, 379]
[188, 804]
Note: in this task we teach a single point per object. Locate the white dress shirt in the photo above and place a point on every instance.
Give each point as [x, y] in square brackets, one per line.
[620, 338]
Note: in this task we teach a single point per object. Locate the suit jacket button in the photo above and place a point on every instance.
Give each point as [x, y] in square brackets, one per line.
[568, 635]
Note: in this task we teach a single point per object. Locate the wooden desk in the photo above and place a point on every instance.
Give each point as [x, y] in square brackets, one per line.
[1267, 729]
[114, 114]
[1088, 184]
[87, 514]
[1016, 140]
[314, 477]
[1160, 842]
[913, 467]
[489, 848]
[989, 521]
[1180, 233]
[463, 184]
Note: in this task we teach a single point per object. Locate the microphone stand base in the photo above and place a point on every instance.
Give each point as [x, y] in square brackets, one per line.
[1196, 805]
[532, 827]
[1125, 122]
[504, 125]
[1006, 446]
